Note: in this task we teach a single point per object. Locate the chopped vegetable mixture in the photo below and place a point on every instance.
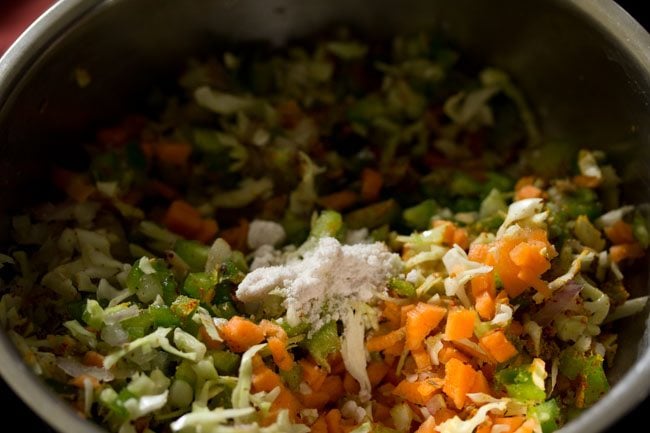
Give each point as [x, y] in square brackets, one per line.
[336, 237]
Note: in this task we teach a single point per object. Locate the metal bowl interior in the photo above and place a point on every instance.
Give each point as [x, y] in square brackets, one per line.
[584, 64]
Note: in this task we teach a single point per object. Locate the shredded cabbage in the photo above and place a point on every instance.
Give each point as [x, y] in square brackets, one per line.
[529, 208]
[241, 393]
[461, 270]
[353, 350]
[457, 425]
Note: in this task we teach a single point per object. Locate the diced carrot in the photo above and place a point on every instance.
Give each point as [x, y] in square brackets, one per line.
[421, 357]
[618, 253]
[382, 342]
[338, 201]
[481, 384]
[80, 381]
[448, 233]
[240, 334]
[392, 313]
[380, 412]
[473, 352]
[350, 384]
[176, 153]
[479, 252]
[528, 255]
[448, 353]
[586, 181]
[289, 112]
[376, 372]
[420, 321]
[333, 387]
[511, 422]
[114, 137]
[497, 345]
[521, 259]
[147, 149]
[93, 359]
[528, 191]
[459, 379]
[404, 309]
[483, 283]
[75, 185]
[443, 414]
[516, 328]
[236, 236]
[286, 400]
[419, 392]
[271, 329]
[158, 188]
[348, 428]
[485, 305]
[183, 218]
[524, 181]
[620, 233]
[265, 379]
[371, 183]
[312, 374]
[486, 427]
[461, 238]
[395, 350]
[460, 324]
[333, 419]
[314, 400]
[320, 426]
[529, 426]
[428, 426]
[208, 231]
[281, 355]
[335, 360]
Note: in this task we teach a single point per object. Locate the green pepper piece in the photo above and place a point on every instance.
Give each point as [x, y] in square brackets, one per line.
[162, 316]
[293, 377]
[519, 384]
[76, 309]
[640, 230]
[93, 314]
[328, 223]
[419, 216]
[200, 285]
[133, 278]
[162, 275]
[138, 326]
[592, 381]
[194, 253]
[402, 287]
[548, 414]
[296, 228]
[225, 362]
[292, 331]
[464, 185]
[183, 307]
[231, 272]
[373, 216]
[323, 342]
[582, 201]
[595, 380]
[185, 372]
[224, 310]
[380, 234]
[497, 181]
[117, 406]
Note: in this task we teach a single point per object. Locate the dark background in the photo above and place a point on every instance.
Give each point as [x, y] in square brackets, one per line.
[15, 15]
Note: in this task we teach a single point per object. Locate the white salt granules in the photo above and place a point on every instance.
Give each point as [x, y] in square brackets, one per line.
[331, 277]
